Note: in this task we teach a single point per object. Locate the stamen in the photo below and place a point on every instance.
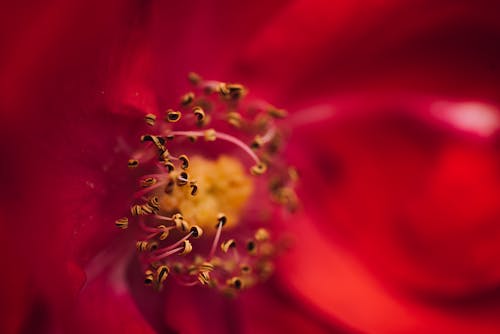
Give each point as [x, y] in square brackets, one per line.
[150, 119]
[200, 115]
[210, 135]
[194, 78]
[122, 223]
[162, 274]
[180, 223]
[245, 269]
[194, 188]
[164, 231]
[165, 197]
[256, 143]
[234, 119]
[196, 231]
[133, 163]
[259, 169]
[204, 278]
[173, 116]
[251, 247]
[235, 282]
[223, 136]
[147, 182]
[148, 277]
[187, 99]
[145, 245]
[170, 252]
[228, 244]
[261, 235]
[182, 179]
[206, 266]
[221, 219]
[221, 222]
[277, 113]
[187, 248]
[184, 160]
[169, 166]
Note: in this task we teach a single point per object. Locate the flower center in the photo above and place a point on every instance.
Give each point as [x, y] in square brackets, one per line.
[222, 186]
[212, 180]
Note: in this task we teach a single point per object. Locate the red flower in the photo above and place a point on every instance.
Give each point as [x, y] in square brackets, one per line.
[399, 181]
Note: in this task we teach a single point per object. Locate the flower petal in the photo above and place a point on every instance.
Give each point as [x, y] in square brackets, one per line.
[320, 48]
[404, 208]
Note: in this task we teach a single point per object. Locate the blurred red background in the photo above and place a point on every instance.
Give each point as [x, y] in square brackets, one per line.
[394, 129]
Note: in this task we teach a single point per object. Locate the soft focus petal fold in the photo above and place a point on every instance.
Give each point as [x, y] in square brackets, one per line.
[414, 199]
[316, 48]
[105, 306]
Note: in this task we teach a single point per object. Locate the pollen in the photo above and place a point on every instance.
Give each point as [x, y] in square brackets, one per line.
[211, 176]
[223, 186]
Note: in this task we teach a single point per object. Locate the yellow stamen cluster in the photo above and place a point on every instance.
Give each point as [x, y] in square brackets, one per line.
[192, 198]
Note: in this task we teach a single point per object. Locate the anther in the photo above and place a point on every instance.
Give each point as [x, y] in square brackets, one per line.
[194, 188]
[162, 274]
[204, 277]
[165, 154]
[187, 247]
[152, 246]
[164, 232]
[222, 89]
[184, 160]
[148, 277]
[257, 142]
[187, 98]
[150, 119]
[180, 223]
[146, 209]
[251, 247]
[182, 179]
[206, 266]
[136, 210]
[235, 282]
[196, 231]
[154, 202]
[122, 223]
[194, 78]
[141, 245]
[169, 166]
[262, 234]
[277, 113]
[158, 141]
[234, 119]
[226, 245]
[147, 182]
[200, 115]
[210, 135]
[173, 116]
[132, 163]
[258, 169]
[236, 91]
[245, 268]
[221, 219]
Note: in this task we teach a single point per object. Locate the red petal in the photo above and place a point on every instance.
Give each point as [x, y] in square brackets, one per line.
[105, 306]
[329, 47]
[404, 210]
